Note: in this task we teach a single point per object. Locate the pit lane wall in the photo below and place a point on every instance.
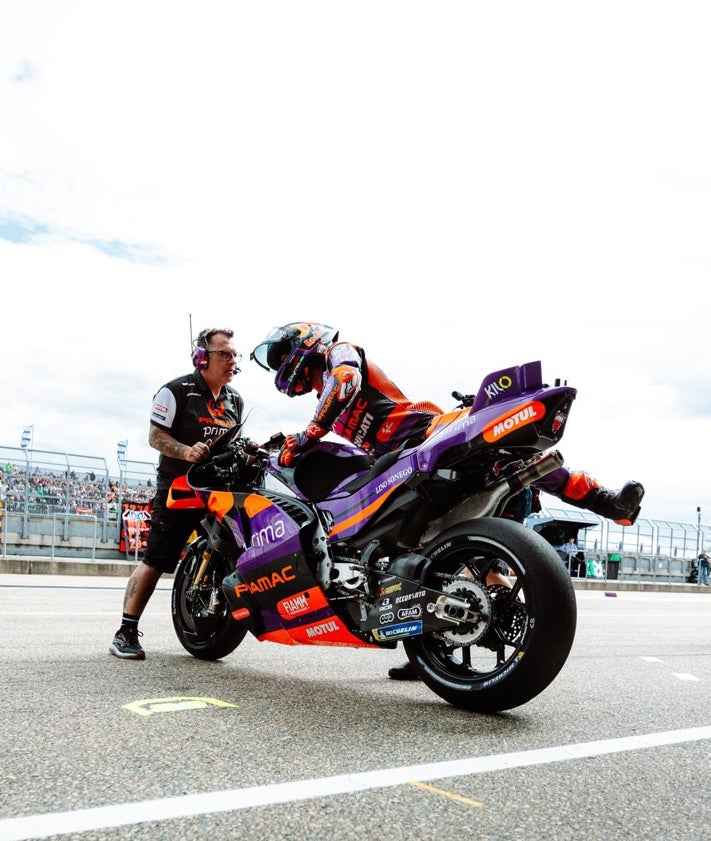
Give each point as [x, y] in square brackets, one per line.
[77, 536]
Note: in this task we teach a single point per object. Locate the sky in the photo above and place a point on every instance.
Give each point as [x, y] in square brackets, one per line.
[458, 187]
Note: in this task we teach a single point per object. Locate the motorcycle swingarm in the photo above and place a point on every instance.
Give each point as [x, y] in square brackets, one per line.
[405, 607]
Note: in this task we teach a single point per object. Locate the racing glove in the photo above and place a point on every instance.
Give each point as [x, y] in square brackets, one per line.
[299, 443]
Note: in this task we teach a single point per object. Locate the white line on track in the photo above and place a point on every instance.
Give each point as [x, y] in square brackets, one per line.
[124, 814]
[56, 613]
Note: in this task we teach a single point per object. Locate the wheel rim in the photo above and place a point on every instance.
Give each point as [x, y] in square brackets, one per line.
[476, 655]
[198, 613]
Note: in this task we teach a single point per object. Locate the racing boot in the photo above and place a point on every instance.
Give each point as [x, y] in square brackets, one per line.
[403, 672]
[622, 506]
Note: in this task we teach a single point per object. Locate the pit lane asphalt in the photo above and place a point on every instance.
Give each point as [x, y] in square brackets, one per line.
[73, 738]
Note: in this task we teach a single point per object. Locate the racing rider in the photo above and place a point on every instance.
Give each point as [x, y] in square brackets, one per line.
[360, 403]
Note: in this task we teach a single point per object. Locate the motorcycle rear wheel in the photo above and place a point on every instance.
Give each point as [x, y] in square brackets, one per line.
[201, 617]
[531, 626]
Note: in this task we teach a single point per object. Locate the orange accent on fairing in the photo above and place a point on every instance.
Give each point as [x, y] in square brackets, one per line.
[182, 496]
[443, 420]
[240, 613]
[520, 416]
[335, 633]
[278, 636]
[579, 485]
[220, 502]
[338, 636]
[254, 503]
[362, 514]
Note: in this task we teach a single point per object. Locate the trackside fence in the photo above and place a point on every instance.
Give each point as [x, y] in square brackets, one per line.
[58, 504]
[55, 504]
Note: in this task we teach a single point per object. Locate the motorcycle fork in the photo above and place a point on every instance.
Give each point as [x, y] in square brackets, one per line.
[200, 579]
[200, 573]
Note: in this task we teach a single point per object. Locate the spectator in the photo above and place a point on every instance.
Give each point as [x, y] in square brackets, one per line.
[568, 550]
[704, 568]
[572, 557]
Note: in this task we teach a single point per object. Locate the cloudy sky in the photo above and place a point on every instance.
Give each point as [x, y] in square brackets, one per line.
[457, 186]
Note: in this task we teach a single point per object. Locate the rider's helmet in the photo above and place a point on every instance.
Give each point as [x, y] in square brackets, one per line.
[290, 350]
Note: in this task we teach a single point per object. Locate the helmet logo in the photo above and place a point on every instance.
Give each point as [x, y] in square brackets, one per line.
[311, 334]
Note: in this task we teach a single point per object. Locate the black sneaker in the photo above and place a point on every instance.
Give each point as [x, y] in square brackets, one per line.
[125, 644]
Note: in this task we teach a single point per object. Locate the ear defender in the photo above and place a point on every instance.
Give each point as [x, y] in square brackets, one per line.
[201, 357]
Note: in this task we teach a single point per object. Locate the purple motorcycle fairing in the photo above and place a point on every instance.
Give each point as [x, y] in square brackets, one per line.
[274, 535]
[271, 533]
[477, 422]
[508, 382]
[352, 511]
[273, 568]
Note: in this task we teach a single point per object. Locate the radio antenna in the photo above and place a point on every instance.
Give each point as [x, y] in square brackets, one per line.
[190, 320]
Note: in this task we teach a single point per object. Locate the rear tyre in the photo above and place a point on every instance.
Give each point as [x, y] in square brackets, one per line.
[201, 617]
[524, 633]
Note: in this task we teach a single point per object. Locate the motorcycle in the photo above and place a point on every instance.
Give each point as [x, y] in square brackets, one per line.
[414, 548]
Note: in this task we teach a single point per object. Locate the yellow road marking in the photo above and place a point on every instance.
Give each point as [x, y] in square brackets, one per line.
[449, 794]
[170, 705]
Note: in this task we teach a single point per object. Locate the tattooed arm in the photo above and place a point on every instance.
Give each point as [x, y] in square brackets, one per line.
[162, 441]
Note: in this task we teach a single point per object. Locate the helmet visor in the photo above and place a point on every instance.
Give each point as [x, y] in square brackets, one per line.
[293, 376]
[270, 352]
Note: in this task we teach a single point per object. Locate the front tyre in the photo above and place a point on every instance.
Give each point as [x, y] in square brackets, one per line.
[522, 634]
[201, 616]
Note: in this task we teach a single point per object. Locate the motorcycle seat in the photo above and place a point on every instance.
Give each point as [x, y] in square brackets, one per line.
[318, 474]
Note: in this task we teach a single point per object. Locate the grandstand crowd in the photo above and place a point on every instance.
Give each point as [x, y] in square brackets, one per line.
[57, 492]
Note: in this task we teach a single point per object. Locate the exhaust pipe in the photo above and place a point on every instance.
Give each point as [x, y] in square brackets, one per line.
[535, 469]
[490, 501]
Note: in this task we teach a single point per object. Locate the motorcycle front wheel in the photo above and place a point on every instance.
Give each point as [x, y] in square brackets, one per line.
[201, 616]
[524, 627]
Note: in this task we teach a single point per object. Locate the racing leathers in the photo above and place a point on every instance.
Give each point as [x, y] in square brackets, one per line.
[361, 404]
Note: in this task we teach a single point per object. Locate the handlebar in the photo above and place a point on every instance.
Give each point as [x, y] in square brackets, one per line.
[239, 463]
